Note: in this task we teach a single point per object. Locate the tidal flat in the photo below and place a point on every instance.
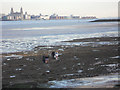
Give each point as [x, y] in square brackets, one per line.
[95, 58]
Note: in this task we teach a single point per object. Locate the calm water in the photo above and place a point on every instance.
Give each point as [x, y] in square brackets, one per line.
[25, 35]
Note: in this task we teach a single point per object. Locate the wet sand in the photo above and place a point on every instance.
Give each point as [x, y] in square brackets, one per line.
[27, 70]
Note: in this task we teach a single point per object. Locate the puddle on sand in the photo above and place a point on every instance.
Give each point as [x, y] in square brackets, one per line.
[116, 57]
[95, 50]
[72, 83]
[14, 56]
[111, 65]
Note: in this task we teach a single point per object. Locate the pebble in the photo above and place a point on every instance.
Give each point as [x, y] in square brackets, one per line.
[18, 69]
[47, 71]
[8, 59]
[79, 71]
[13, 76]
[64, 68]
[24, 65]
[4, 64]
[96, 58]
[78, 64]
[75, 57]
[90, 68]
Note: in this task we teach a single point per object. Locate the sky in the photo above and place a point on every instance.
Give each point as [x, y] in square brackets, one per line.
[98, 8]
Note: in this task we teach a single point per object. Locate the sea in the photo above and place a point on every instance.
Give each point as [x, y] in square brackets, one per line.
[20, 36]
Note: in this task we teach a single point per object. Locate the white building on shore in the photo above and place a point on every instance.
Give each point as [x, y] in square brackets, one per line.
[14, 16]
[26, 16]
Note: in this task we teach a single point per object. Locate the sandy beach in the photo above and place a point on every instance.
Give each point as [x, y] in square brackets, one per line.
[27, 70]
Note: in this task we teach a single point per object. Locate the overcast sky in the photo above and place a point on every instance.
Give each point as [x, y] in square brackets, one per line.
[102, 8]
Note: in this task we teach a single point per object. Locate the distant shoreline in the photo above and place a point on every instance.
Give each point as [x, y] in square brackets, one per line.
[98, 20]
[42, 19]
[106, 20]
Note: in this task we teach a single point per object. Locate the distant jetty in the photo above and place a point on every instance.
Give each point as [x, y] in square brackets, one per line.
[106, 20]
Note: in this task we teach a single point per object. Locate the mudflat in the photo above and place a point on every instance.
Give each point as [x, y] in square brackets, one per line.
[106, 20]
[27, 70]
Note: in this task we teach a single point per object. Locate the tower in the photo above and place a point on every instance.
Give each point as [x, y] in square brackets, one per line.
[25, 13]
[11, 11]
[21, 10]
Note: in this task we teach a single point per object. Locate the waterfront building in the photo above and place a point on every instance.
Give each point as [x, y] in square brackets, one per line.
[35, 17]
[56, 17]
[26, 16]
[75, 17]
[52, 17]
[2, 15]
[44, 17]
[14, 16]
[88, 17]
